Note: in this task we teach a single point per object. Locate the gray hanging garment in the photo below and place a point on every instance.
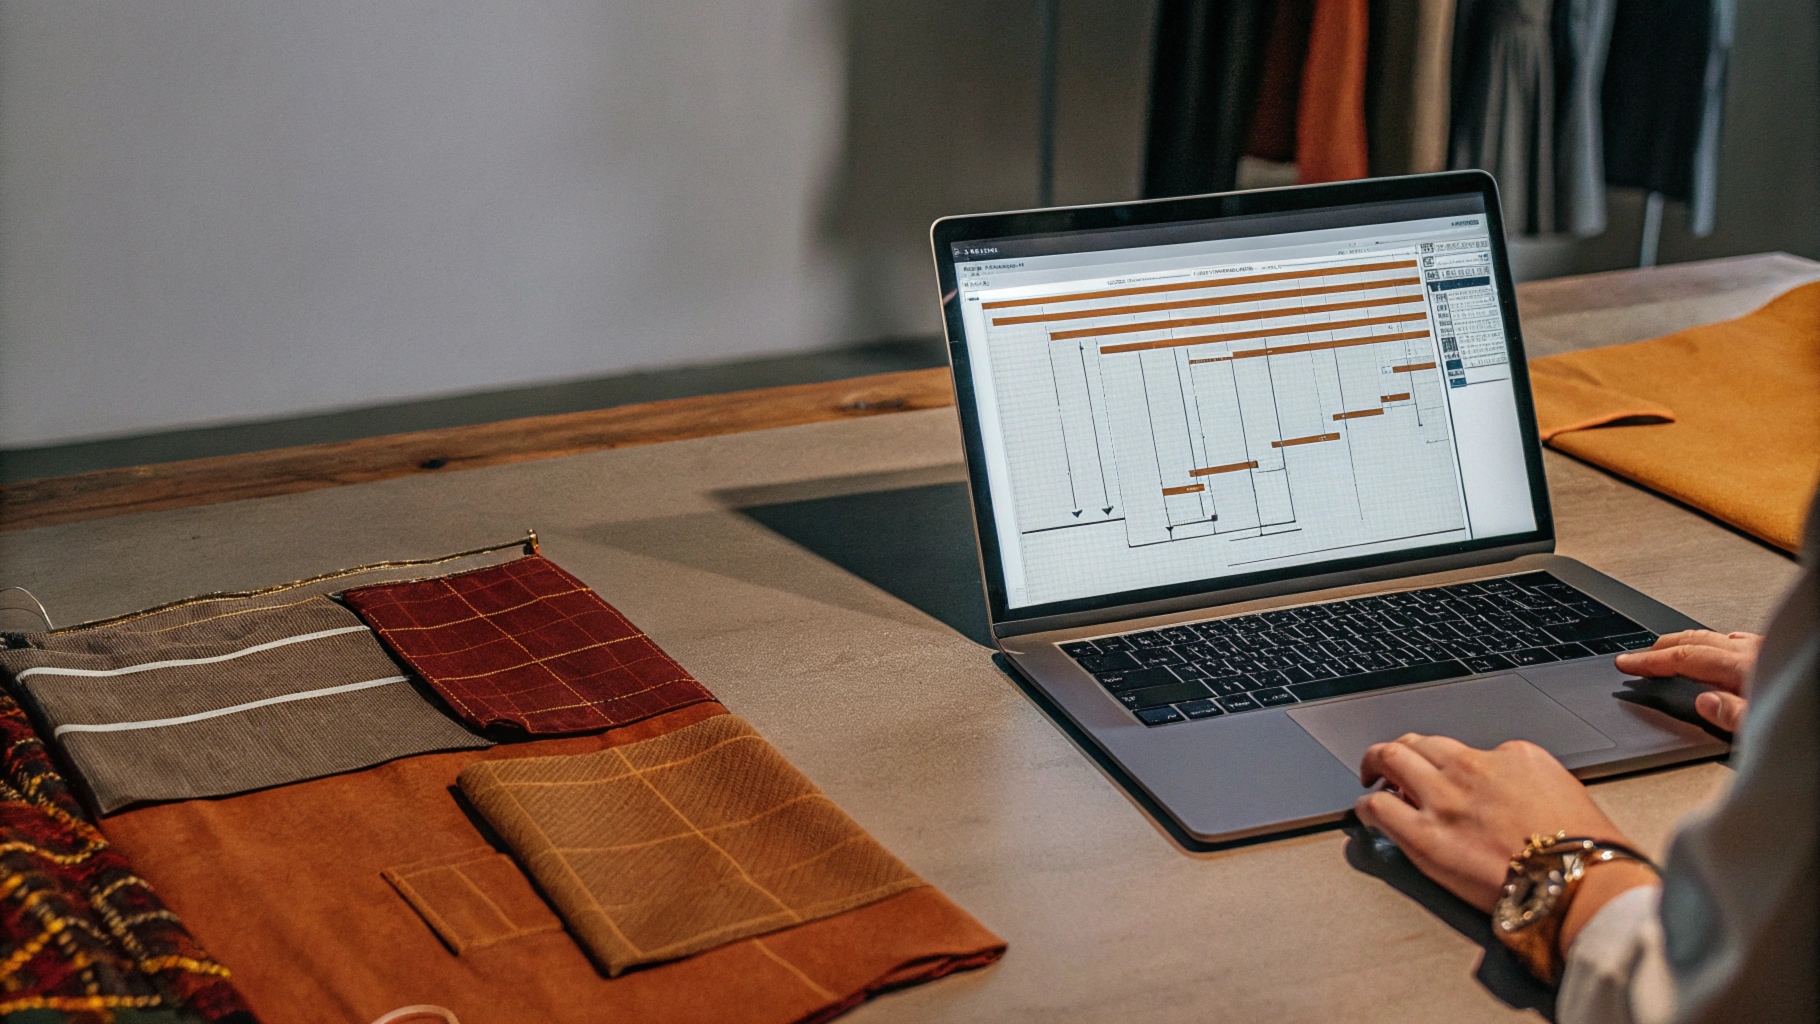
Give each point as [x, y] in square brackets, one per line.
[1504, 105]
[1585, 29]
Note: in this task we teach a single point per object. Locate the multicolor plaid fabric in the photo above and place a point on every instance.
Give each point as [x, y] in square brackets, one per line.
[527, 645]
[82, 938]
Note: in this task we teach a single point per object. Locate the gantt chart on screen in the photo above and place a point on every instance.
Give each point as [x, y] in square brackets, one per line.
[1169, 414]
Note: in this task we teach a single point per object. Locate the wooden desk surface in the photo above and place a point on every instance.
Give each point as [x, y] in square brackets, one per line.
[712, 544]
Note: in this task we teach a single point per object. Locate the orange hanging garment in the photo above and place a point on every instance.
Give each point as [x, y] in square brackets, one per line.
[1330, 117]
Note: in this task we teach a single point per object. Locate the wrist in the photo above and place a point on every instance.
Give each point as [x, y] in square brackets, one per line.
[1603, 883]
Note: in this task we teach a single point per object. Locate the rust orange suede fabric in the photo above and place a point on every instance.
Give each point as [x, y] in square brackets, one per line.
[289, 886]
[524, 644]
[1330, 112]
[1724, 417]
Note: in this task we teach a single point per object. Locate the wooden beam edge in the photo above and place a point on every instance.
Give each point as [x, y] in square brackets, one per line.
[113, 492]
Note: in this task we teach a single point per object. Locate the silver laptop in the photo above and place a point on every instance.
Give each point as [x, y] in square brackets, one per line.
[1256, 484]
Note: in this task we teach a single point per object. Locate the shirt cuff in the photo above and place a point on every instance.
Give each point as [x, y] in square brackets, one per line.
[1616, 972]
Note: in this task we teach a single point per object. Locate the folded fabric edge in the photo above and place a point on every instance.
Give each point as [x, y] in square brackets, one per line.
[915, 972]
[1567, 401]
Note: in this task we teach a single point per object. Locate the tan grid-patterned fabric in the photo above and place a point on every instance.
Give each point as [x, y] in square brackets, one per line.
[667, 847]
[526, 644]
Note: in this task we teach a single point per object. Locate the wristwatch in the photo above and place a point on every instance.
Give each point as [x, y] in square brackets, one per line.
[1538, 889]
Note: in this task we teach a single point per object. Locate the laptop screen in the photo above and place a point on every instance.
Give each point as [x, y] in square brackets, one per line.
[1195, 401]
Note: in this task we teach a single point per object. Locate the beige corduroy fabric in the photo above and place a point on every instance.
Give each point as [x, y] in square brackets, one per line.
[224, 695]
[659, 849]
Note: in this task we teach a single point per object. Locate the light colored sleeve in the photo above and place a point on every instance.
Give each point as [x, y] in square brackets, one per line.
[1616, 971]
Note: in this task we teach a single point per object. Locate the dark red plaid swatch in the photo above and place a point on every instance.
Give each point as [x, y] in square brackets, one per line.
[524, 643]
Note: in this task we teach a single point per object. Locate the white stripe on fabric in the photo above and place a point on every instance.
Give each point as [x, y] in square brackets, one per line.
[181, 662]
[159, 723]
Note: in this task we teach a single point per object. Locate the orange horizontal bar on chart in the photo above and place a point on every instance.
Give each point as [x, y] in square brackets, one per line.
[1411, 368]
[1182, 286]
[1230, 467]
[1205, 300]
[1311, 346]
[1170, 492]
[1265, 332]
[1357, 413]
[1290, 442]
[1400, 397]
[1226, 318]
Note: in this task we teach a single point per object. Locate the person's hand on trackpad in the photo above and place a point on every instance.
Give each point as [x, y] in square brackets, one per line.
[1724, 660]
[1460, 814]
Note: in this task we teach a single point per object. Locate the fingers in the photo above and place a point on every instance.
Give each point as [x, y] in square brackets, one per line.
[1724, 710]
[1389, 815]
[1442, 751]
[1402, 766]
[1700, 662]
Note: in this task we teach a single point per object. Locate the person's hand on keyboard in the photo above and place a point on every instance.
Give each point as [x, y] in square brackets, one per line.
[1725, 660]
[1460, 814]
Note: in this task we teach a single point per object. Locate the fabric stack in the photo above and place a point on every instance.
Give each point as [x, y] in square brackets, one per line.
[1556, 98]
[486, 790]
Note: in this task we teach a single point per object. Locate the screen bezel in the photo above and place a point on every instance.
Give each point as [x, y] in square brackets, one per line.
[999, 226]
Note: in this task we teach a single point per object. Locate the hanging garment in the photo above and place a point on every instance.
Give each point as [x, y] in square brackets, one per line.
[82, 937]
[1272, 132]
[1407, 86]
[224, 695]
[1431, 86]
[1504, 105]
[1330, 112]
[524, 644]
[1723, 417]
[293, 882]
[1664, 99]
[656, 850]
[1203, 84]
[1584, 27]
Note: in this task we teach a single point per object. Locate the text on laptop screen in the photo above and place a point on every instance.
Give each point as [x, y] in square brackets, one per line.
[1171, 411]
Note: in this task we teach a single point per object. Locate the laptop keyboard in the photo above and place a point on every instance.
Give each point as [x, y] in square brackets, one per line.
[1292, 655]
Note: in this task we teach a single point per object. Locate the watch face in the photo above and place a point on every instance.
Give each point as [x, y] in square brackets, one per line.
[1528, 897]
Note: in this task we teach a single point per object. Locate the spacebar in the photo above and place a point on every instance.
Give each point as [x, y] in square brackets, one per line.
[1322, 688]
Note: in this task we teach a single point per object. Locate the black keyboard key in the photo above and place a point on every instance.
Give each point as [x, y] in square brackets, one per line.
[1568, 652]
[1159, 716]
[1531, 656]
[1268, 678]
[1199, 709]
[1154, 656]
[1113, 662]
[1606, 645]
[1227, 686]
[1243, 702]
[1079, 648]
[1156, 696]
[1323, 688]
[1272, 698]
[1636, 641]
[1114, 643]
[1180, 635]
[1138, 679]
[1489, 663]
[1596, 628]
[1296, 674]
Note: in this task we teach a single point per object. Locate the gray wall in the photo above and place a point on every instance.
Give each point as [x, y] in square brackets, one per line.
[222, 210]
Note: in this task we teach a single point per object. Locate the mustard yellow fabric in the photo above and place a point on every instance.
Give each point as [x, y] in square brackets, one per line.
[1724, 417]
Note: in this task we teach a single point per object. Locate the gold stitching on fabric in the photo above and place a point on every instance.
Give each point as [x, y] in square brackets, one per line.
[793, 969]
[229, 595]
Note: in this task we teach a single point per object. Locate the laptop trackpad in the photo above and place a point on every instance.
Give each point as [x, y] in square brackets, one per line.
[1478, 713]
